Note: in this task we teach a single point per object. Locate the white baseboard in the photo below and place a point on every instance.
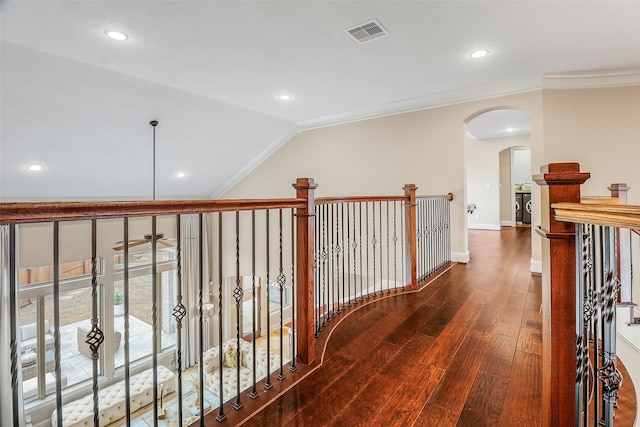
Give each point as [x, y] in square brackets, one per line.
[462, 257]
[508, 223]
[536, 266]
[495, 227]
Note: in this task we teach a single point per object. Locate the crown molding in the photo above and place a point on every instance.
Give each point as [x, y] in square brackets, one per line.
[592, 79]
[479, 93]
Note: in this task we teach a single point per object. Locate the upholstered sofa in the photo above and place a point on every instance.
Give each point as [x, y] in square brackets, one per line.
[29, 334]
[112, 406]
[211, 360]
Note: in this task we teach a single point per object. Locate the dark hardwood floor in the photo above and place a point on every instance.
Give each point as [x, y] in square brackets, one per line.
[464, 351]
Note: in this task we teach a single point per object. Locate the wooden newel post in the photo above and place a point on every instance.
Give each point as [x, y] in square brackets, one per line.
[560, 182]
[305, 233]
[410, 233]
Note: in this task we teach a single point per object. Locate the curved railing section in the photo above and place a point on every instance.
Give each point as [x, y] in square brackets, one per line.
[235, 294]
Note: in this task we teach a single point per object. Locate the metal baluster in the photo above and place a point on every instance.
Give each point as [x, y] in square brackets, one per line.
[317, 244]
[381, 263]
[595, 323]
[395, 248]
[179, 311]
[294, 299]
[13, 294]
[237, 295]
[354, 246]
[254, 310]
[373, 242]
[282, 280]
[154, 315]
[95, 337]
[337, 264]
[324, 306]
[56, 318]
[332, 277]
[402, 252]
[267, 384]
[341, 247]
[608, 374]
[582, 316]
[348, 252]
[360, 250]
[221, 415]
[127, 368]
[388, 254]
[419, 248]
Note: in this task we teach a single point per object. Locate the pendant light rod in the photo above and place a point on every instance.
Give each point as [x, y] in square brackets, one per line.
[154, 123]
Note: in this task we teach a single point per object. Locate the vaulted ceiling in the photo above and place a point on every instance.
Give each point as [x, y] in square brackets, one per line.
[211, 72]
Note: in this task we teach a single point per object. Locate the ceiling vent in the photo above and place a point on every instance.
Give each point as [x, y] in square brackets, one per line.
[366, 32]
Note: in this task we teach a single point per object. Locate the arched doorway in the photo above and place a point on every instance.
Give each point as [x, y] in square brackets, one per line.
[498, 168]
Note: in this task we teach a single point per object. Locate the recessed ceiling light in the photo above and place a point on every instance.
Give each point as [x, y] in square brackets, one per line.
[116, 35]
[180, 175]
[35, 168]
[284, 97]
[479, 53]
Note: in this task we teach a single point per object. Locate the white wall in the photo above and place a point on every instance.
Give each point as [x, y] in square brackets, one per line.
[483, 178]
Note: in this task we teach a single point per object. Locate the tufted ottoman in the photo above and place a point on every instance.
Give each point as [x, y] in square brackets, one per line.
[211, 361]
[112, 400]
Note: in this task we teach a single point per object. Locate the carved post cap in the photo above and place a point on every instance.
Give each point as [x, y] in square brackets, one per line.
[408, 188]
[304, 184]
[561, 174]
[619, 190]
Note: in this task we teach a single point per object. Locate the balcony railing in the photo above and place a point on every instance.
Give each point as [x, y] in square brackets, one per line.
[255, 281]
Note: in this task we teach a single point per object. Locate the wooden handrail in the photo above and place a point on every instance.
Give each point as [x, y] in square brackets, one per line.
[349, 199]
[622, 216]
[66, 211]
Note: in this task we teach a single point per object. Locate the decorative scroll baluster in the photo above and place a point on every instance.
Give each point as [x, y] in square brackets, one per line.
[237, 295]
[360, 251]
[597, 291]
[127, 368]
[366, 219]
[254, 310]
[56, 318]
[373, 243]
[179, 311]
[221, 415]
[13, 291]
[342, 246]
[282, 280]
[324, 306]
[268, 385]
[388, 254]
[348, 252]
[354, 246]
[95, 337]
[293, 367]
[608, 374]
[338, 249]
[154, 313]
[395, 249]
[381, 249]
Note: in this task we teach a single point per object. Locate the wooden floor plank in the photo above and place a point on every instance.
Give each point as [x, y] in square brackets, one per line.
[464, 351]
[484, 403]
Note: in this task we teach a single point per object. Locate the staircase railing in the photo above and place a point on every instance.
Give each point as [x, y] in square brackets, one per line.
[580, 294]
[300, 259]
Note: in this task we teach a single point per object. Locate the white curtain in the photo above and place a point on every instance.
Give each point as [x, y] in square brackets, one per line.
[6, 396]
[190, 249]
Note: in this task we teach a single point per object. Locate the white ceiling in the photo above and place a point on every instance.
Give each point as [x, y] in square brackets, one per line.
[211, 72]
